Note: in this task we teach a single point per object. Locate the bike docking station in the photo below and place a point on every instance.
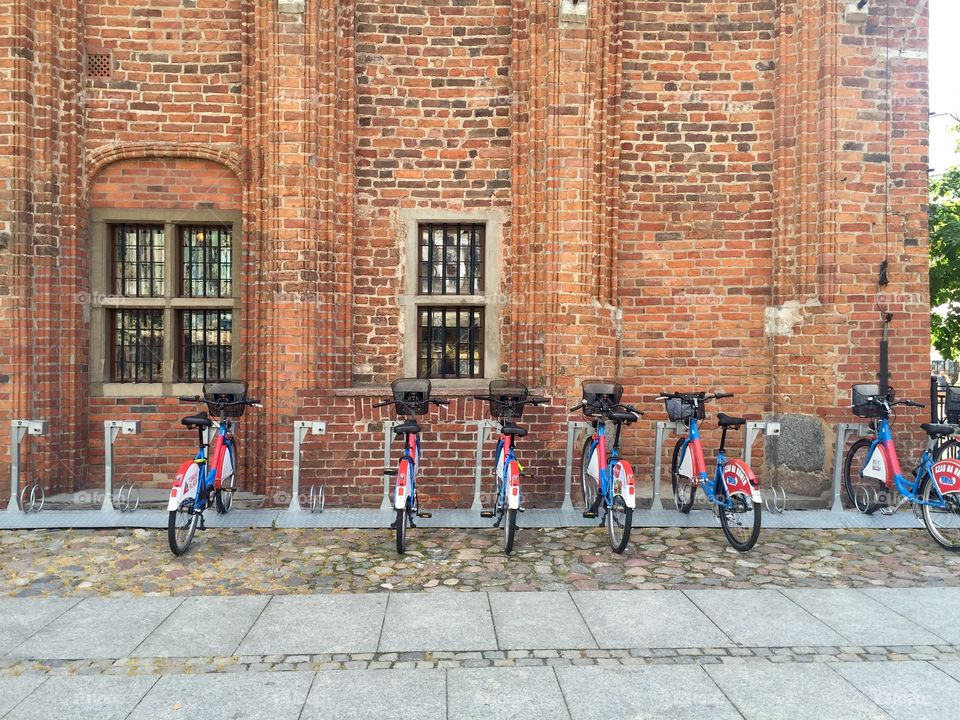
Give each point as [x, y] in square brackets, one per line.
[128, 497]
[31, 498]
[302, 428]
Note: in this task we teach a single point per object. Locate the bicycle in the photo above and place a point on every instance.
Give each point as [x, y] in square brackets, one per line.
[935, 488]
[607, 479]
[735, 490]
[411, 397]
[210, 477]
[507, 400]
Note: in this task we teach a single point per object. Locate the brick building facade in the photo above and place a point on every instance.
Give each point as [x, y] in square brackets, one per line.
[676, 193]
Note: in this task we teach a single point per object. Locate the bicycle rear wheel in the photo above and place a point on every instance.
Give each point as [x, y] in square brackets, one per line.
[950, 450]
[588, 486]
[619, 522]
[509, 529]
[740, 521]
[181, 527]
[683, 487]
[942, 524]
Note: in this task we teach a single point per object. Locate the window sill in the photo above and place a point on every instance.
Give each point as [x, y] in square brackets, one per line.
[145, 390]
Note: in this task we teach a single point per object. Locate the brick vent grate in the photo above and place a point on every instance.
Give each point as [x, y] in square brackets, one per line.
[99, 65]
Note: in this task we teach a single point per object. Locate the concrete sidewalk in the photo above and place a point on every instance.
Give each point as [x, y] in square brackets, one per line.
[831, 653]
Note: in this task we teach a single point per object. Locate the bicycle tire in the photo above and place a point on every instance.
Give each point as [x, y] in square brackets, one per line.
[931, 514]
[179, 536]
[402, 531]
[509, 529]
[849, 487]
[741, 543]
[588, 486]
[619, 523]
[949, 450]
[681, 497]
[223, 499]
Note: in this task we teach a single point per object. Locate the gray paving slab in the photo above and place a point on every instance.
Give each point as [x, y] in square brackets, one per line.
[539, 621]
[15, 689]
[905, 690]
[226, 621]
[924, 606]
[98, 628]
[860, 618]
[103, 697]
[950, 667]
[509, 693]
[308, 624]
[763, 618]
[647, 618]
[22, 617]
[653, 692]
[365, 694]
[792, 692]
[438, 621]
[263, 696]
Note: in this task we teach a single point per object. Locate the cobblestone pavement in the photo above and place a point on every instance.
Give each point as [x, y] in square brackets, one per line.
[228, 562]
[496, 658]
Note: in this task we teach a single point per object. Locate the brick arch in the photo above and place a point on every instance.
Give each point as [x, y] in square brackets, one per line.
[169, 182]
[101, 157]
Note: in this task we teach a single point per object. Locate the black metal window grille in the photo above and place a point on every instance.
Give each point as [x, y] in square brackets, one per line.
[138, 262]
[206, 345]
[137, 346]
[450, 342]
[206, 253]
[451, 258]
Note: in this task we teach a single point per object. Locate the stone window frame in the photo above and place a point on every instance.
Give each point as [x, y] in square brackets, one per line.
[102, 299]
[410, 300]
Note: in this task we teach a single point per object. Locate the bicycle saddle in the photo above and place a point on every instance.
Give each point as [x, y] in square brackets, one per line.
[199, 420]
[511, 429]
[935, 430]
[724, 420]
[407, 426]
[623, 416]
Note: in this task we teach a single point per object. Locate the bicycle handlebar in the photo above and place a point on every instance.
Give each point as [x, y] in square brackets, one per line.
[686, 396]
[877, 400]
[219, 403]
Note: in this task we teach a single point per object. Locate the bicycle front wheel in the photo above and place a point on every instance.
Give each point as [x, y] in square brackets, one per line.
[223, 498]
[509, 529]
[740, 521]
[619, 522]
[588, 486]
[181, 527]
[943, 524]
[862, 492]
[683, 487]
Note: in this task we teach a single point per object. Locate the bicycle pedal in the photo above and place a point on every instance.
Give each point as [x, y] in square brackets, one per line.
[589, 514]
[389, 472]
[522, 509]
[424, 514]
[887, 510]
[486, 513]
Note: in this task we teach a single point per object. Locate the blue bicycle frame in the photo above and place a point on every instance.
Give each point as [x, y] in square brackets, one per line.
[606, 486]
[209, 471]
[693, 436]
[505, 479]
[909, 490]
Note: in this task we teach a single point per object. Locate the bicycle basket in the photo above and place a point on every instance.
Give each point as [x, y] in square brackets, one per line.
[952, 405]
[225, 391]
[412, 395]
[598, 394]
[503, 393]
[681, 409]
[859, 399]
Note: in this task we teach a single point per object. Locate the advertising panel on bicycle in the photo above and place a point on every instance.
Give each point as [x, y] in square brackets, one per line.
[947, 475]
[739, 479]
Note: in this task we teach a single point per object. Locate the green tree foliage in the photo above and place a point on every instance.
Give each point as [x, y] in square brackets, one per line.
[945, 262]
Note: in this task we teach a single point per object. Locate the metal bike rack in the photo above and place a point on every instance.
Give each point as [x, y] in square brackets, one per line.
[111, 429]
[775, 496]
[844, 430]
[573, 428]
[663, 428]
[300, 430]
[483, 429]
[317, 498]
[388, 426]
[18, 430]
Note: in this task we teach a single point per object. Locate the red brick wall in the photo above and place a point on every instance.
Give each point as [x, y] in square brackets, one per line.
[694, 194]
